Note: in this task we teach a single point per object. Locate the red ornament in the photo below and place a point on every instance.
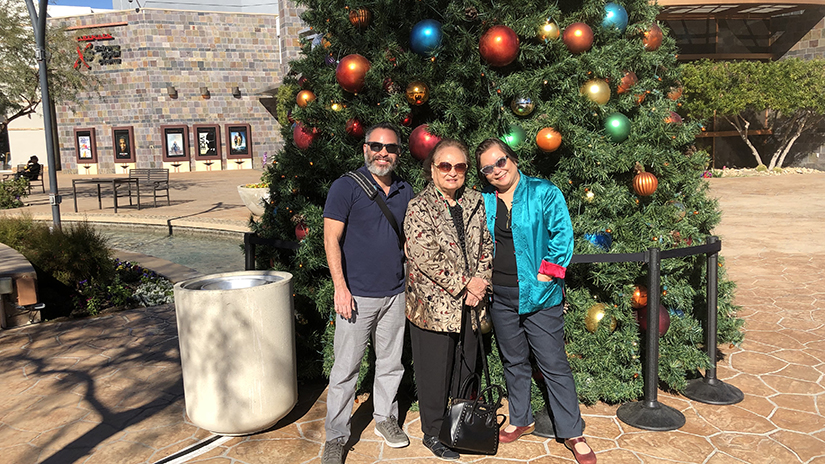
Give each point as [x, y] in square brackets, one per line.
[645, 183]
[578, 37]
[548, 139]
[653, 38]
[499, 46]
[422, 142]
[351, 71]
[303, 136]
[664, 319]
[355, 128]
[639, 298]
[673, 118]
[628, 80]
[301, 231]
[407, 121]
[360, 18]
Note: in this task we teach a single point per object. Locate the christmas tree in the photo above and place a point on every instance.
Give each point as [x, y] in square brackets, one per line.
[587, 93]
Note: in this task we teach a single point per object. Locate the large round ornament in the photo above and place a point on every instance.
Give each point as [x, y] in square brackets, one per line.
[645, 183]
[422, 142]
[303, 136]
[594, 316]
[664, 319]
[360, 17]
[615, 17]
[549, 31]
[596, 90]
[425, 37]
[617, 127]
[515, 136]
[304, 98]
[629, 79]
[578, 37]
[522, 106]
[548, 139]
[351, 72]
[499, 46]
[355, 128]
[653, 37]
[417, 93]
[639, 297]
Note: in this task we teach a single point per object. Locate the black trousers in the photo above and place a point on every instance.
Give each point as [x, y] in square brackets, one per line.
[434, 355]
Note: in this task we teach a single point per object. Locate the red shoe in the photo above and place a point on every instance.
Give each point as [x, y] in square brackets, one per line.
[509, 437]
[586, 458]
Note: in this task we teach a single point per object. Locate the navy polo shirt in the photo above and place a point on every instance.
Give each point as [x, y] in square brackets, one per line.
[373, 263]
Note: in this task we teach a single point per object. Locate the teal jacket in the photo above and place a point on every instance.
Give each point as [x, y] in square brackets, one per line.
[543, 236]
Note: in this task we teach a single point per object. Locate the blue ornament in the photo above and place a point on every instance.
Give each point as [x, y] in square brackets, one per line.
[615, 17]
[602, 240]
[425, 37]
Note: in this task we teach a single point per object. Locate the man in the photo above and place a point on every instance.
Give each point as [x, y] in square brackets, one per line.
[31, 171]
[367, 267]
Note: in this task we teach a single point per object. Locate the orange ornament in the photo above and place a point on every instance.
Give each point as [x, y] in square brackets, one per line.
[578, 37]
[360, 18]
[351, 72]
[645, 183]
[304, 98]
[653, 38]
[628, 80]
[548, 139]
[675, 93]
[639, 298]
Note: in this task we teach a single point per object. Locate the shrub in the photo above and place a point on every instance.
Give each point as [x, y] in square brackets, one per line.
[11, 192]
[131, 286]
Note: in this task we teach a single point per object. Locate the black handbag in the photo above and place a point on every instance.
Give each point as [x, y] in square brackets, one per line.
[472, 425]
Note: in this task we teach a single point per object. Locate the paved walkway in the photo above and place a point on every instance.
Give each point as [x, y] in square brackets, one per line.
[108, 389]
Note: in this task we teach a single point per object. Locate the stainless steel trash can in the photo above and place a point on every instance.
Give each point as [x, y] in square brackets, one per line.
[237, 348]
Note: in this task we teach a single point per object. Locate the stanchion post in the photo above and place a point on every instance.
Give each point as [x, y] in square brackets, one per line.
[248, 252]
[649, 414]
[710, 389]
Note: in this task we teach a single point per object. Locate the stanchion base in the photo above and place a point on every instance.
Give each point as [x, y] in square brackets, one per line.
[544, 424]
[650, 416]
[713, 391]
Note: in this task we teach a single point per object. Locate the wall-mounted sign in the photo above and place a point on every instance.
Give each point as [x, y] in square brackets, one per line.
[104, 54]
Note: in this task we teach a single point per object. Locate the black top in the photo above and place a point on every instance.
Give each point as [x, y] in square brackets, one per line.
[505, 272]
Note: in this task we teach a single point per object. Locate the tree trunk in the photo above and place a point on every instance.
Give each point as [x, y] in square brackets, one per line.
[743, 133]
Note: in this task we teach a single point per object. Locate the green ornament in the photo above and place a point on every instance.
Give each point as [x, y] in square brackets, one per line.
[515, 136]
[617, 127]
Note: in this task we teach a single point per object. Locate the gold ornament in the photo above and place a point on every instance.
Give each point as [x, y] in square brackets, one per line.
[417, 93]
[304, 98]
[589, 196]
[594, 315]
[549, 31]
[596, 90]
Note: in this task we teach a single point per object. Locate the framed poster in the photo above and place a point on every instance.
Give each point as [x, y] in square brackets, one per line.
[85, 144]
[207, 141]
[238, 141]
[123, 144]
[175, 143]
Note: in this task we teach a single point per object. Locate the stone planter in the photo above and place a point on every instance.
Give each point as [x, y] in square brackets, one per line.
[254, 198]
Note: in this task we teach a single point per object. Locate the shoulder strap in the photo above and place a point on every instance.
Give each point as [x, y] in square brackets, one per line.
[372, 193]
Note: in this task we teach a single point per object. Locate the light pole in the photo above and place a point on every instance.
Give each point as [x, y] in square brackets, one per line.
[39, 26]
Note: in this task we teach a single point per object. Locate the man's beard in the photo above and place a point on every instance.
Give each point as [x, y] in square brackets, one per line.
[371, 167]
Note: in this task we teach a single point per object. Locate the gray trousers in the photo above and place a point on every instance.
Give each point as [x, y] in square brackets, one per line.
[541, 332]
[381, 319]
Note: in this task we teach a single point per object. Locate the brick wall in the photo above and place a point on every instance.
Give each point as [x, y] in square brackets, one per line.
[812, 45]
[187, 50]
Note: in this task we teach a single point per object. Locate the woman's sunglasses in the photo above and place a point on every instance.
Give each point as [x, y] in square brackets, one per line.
[446, 167]
[500, 163]
[393, 148]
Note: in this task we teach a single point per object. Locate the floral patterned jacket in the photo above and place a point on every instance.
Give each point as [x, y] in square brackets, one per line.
[436, 272]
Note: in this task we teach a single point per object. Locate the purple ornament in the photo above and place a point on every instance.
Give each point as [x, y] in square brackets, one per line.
[331, 61]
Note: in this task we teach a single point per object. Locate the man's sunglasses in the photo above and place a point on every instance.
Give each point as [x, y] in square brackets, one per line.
[446, 167]
[500, 163]
[393, 148]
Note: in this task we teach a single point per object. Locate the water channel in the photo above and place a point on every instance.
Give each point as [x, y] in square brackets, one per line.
[207, 252]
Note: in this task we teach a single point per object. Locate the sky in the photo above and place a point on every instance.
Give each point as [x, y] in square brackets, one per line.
[92, 3]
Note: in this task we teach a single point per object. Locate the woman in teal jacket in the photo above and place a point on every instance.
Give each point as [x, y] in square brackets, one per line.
[533, 236]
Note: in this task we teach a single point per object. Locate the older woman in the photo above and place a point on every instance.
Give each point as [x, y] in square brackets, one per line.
[449, 266]
[533, 236]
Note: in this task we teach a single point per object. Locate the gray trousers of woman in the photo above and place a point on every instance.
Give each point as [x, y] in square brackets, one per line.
[541, 332]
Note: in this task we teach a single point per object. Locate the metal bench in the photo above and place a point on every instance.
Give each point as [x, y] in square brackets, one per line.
[18, 287]
[39, 178]
[156, 179]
